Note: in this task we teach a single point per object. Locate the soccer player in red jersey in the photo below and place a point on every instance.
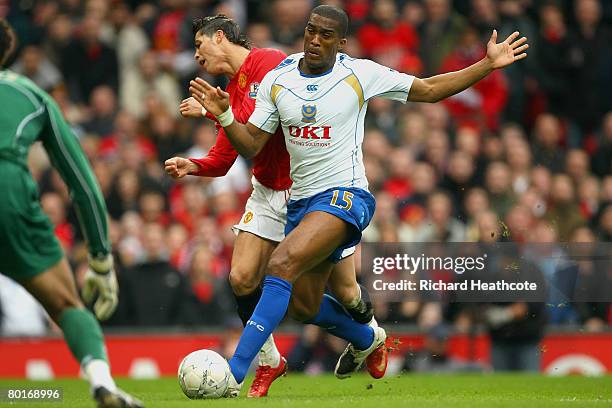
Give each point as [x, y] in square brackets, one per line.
[222, 50]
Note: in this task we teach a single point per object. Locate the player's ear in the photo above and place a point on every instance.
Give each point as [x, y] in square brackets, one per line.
[219, 36]
[342, 44]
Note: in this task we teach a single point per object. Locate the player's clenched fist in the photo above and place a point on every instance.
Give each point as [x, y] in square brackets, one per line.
[190, 108]
[100, 278]
[178, 167]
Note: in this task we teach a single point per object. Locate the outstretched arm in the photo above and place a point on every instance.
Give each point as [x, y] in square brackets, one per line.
[248, 140]
[498, 56]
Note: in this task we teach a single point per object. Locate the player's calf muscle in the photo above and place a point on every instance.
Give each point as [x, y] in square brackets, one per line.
[302, 311]
[343, 282]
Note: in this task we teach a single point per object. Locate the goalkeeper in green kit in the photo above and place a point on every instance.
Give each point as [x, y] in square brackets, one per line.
[29, 250]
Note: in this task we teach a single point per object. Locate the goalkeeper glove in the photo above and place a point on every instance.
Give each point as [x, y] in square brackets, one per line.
[100, 278]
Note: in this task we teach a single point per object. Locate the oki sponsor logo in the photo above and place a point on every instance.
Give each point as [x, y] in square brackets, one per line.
[310, 132]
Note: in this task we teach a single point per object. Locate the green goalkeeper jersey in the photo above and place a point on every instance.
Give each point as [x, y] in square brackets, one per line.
[28, 114]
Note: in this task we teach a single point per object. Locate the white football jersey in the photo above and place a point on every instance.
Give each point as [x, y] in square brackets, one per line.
[322, 118]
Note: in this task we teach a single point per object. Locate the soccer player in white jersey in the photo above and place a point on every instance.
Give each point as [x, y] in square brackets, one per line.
[319, 98]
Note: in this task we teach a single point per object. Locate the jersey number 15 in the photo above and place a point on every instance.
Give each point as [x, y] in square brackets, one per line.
[346, 202]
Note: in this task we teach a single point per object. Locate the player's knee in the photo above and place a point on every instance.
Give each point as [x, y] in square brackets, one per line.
[302, 311]
[243, 280]
[62, 301]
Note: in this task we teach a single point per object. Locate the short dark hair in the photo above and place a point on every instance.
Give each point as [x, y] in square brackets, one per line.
[6, 40]
[210, 25]
[336, 14]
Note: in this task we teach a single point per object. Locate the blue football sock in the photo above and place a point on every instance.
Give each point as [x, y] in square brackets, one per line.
[335, 320]
[268, 314]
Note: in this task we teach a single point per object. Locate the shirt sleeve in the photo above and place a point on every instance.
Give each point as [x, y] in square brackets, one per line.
[380, 81]
[265, 116]
[219, 159]
[68, 158]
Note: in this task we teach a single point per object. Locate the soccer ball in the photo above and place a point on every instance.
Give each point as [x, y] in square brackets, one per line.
[204, 374]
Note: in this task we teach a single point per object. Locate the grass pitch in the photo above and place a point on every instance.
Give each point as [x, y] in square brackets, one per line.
[493, 390]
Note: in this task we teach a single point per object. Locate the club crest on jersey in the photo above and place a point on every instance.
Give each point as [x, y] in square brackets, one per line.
[308, 113]
[242, 80]
[253, 90]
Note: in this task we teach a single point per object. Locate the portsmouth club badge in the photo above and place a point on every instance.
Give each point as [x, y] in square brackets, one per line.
[308, 113]
[253, 90]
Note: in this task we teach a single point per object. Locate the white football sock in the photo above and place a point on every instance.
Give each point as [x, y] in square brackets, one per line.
[98, 374]
[269, 355]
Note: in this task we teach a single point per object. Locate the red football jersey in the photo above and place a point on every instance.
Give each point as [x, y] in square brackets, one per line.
[271, 165]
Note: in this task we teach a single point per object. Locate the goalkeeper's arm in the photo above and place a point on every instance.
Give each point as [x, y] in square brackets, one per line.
[68, 158]
[70, 161]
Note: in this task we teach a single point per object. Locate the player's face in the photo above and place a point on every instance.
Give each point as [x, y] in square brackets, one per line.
[321, 43]
[208, 53]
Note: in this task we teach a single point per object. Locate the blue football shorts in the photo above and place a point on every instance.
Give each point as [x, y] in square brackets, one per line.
[353, 205]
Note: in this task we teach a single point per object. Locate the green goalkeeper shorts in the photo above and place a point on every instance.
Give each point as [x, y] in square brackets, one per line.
[28, 245]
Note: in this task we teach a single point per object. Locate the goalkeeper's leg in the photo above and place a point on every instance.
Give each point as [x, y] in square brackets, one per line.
[55, 289]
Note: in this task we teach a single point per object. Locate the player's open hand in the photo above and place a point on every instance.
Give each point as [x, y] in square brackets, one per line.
[190, 108]
[505, 53]
[178, 167]
[214, 100]
[100, 279]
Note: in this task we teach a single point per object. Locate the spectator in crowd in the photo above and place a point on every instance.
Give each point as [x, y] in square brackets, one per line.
[553, 76]
[602, 158]
[103, 112]
[593, 283]
[54, 206]
[33, 64]
[564, 212]
[515, 328]
[459, 178]
[148, 78]
[439, 33]
[498, 183]
[588, 55]
[547, 150]
[481, 104]
[440, 226]
[173, 302]
[388, 40]
[88, 50]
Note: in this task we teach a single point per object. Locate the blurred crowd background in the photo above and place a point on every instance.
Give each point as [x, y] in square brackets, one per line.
[527, 150]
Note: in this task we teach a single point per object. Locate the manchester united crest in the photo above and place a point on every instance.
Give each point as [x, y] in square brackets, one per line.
[242, 80]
